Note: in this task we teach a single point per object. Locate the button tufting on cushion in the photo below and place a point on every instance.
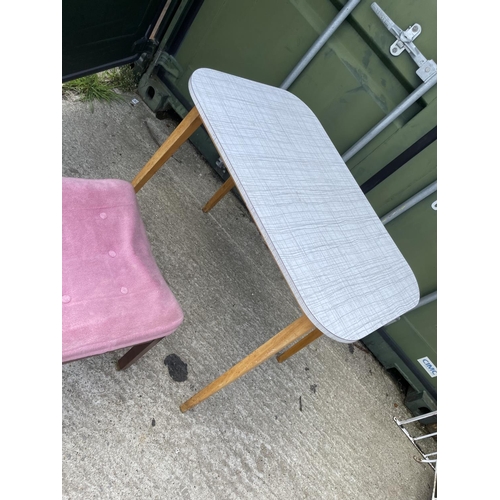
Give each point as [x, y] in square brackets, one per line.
[100, 315]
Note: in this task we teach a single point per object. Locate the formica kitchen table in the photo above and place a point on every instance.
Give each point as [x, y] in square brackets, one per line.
[344, 269]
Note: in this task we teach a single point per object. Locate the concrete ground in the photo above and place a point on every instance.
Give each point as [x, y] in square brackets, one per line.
[319, 426]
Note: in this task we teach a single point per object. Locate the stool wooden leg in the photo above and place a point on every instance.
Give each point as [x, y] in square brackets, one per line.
[221, 192]
[135, 353]
[310, 337]
[292, 332]
[174, 141]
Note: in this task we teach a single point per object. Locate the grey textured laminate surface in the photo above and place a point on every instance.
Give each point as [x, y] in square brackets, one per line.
[340, 262]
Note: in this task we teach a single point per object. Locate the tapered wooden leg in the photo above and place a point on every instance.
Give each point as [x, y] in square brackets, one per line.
[292, 332]
[174, 141]
[135, 353]
[310, 337]
[221, 192]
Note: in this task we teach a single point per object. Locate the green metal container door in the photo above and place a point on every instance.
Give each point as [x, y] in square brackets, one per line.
[351, 84]
[100, 34]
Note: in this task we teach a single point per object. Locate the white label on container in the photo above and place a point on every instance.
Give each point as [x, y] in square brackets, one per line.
[429, 366]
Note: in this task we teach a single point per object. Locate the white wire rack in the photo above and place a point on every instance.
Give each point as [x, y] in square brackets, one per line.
[427, 458]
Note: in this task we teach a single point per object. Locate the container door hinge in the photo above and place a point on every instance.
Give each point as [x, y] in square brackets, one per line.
[146, 49]
[170, 65]
[404, 41]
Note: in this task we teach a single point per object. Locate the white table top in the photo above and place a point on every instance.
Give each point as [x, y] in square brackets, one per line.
[344, 269]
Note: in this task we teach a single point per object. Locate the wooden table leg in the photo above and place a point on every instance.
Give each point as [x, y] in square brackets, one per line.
[174, 141]
[289, 334]
[221, 192]
[310, 337]
[135, 353]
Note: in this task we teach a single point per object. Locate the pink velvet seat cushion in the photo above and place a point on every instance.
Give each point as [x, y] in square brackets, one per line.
[113, 293]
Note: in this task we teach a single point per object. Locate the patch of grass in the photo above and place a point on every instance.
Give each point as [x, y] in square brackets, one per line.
[102, 86]
[122, 78]
[91, 88]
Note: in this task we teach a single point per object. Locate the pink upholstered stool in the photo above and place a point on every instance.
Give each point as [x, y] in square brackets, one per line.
[113, 294]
